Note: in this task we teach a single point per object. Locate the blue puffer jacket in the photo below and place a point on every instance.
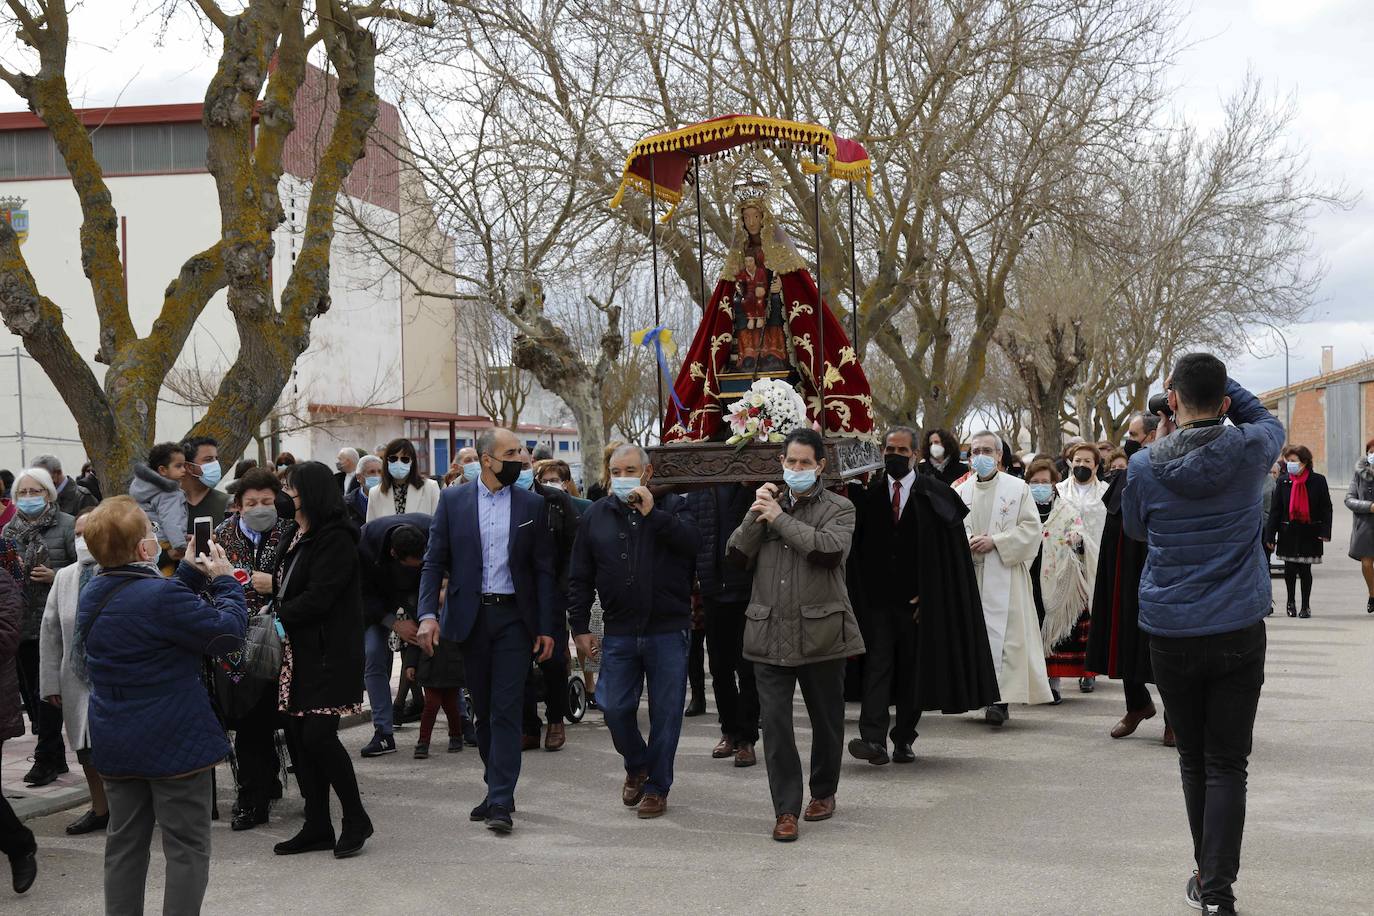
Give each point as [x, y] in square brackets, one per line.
[149, 712]
[1195, 497]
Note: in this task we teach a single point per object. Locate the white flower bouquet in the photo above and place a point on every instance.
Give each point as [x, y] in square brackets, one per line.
[767, 412]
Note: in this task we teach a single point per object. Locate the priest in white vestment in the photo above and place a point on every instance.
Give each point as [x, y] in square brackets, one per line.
[1004, 534]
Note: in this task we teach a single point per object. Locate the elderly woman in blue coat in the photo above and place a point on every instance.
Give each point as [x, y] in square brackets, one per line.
[154, 738]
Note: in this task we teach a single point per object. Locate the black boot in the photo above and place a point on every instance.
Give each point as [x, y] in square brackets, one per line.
[310, 839]
[354, 834]
[1292, 609]
[1305, 613]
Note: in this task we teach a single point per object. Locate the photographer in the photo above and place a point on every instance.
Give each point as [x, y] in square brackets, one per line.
[1194, 497]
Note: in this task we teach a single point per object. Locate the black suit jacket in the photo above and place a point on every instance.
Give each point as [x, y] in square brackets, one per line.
[887, 550]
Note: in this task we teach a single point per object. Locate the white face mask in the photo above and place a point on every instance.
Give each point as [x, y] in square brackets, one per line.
[555, 484]
[937, 451]
[83, 553]
[1369, 459]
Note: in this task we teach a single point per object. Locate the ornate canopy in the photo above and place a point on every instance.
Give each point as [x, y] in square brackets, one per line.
[668, 156]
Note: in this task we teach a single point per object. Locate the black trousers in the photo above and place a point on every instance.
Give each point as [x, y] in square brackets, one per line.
[822, 687]
[16, 840]
[323, 764]
[555, 672]
[696, 664]
[1137, 694]
[1211, 688]
[890, 636]
[255, 749]
[732, 675]
[45, 718]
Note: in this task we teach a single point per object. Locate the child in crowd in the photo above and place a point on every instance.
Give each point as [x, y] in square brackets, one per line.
[156, 488]
[440, 676]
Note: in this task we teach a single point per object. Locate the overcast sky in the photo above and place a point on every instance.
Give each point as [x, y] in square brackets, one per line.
[1317, 51]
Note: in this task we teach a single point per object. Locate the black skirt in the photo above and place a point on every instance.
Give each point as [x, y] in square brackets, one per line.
[1299, 542]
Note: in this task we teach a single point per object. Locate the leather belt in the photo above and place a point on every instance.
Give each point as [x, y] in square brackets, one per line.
[492, 598]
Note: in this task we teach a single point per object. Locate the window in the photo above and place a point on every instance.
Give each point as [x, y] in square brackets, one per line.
[441, 455]
[564, 446]
[121, 149]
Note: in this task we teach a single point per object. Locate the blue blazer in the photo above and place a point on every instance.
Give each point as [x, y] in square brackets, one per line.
[455, 550]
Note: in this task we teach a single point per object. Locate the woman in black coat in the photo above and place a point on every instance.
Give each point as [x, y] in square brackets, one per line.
[1299, 524]
[319, 603]
[940, 457]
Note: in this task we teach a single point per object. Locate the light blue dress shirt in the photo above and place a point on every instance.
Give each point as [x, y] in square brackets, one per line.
[493, 522]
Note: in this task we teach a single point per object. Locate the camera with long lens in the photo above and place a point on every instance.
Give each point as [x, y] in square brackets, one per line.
[1159, 404]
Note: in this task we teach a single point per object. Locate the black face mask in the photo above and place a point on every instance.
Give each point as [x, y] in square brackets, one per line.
[509, 473]
[1130, 447]
[897, 466]
[1082, 474]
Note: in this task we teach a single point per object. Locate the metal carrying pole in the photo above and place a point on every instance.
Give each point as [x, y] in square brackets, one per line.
[820, 294]
[853, 278]
[653, 244]
[701, 235]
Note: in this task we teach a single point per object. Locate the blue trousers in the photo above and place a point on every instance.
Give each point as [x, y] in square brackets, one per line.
[377, 676]
[497, 656]
[627, 663]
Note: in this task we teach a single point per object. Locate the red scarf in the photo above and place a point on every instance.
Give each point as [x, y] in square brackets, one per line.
[1298, 508]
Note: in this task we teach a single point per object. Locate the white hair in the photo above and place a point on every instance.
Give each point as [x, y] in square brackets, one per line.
[40, 477]
[350, 452]
[989, 434]
[368, 459]
[636, 449]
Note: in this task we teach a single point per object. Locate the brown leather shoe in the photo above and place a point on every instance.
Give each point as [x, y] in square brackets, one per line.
[820, 809]
[634, 788]
[725, 748]
[1169, 735]
[786, 829]
[556, 737]
[652, 806]
[1131, 721]
[529, 743]
[745, 756]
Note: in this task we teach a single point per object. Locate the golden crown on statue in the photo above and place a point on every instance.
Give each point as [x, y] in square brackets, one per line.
[754, 181]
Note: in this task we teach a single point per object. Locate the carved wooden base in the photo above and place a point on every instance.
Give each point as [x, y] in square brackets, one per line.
[695, 464]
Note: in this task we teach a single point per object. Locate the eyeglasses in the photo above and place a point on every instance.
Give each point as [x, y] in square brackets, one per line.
[31, 492]
[985, 450]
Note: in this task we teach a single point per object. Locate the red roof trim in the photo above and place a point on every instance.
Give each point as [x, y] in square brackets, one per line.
[96, 117]
[468, 421]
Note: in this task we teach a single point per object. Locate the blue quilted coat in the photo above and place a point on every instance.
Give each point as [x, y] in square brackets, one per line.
[149, 712]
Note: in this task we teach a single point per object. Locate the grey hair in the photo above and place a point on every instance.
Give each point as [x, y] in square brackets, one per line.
[989, 434]
[50, 463]
[369, 459]
[41, 477]
[351, 452]
[631, 447]
[900, 430]
[486, 442]
[1148, 421]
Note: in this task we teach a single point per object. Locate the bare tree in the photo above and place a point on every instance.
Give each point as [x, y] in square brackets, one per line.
[248, 117]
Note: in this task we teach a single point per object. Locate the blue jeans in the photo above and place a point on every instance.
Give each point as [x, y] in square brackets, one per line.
[626, 663]
[377, 676]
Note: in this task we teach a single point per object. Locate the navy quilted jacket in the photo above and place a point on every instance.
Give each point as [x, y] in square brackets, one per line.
[149, 712]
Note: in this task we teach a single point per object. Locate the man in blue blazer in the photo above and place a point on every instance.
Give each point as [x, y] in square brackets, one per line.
[492, 544]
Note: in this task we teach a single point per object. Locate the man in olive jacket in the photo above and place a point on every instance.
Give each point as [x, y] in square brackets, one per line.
[799, 625]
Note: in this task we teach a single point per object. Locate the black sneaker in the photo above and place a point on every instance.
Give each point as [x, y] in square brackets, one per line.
[422, 750]
[455, 745]
[379, 745]
[1192, 894]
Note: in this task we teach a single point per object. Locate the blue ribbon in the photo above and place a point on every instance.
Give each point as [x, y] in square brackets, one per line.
[652, 337]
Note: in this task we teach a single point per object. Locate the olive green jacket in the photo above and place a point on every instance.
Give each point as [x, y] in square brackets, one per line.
[799, 612]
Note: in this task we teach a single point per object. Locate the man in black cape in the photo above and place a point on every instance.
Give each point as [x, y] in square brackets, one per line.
[913, 559]
[1116, 645]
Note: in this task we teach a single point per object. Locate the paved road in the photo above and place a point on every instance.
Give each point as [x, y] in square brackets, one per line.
[1047, 816]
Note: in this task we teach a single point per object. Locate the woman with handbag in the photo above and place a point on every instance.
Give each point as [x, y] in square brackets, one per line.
[254, 539]
[319, 604]
[1299, 524]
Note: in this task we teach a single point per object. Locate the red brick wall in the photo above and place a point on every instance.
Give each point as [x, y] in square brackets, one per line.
[1367, 412]
[1309, 424]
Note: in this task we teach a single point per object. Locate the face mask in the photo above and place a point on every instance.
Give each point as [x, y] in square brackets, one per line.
[1294, 469]
[983, 465]
[211, 473]
[260, 518]
[338, 465]
[1042, 492]
[399, 470]
[373, 480]
[799, 481]
[282, 467]
[1130, 447]
[1082, 474]
[897, 466]
[83, 553]
[555, 484]
[526, 479]
[472, 470]
[937, 451]
[509, 473]
[31, 505]
[1369, 459]
[622, 487]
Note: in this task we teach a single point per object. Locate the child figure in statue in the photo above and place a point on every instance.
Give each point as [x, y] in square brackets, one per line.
[752, 282]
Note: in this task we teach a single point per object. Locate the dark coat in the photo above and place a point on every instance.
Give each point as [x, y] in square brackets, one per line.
[954, 665]
[455, 550]
[74, 498]
[1117, 647]
[146, 641]
[563, 519]
[885, 548]
[640, 566]
[951, 473]
[1299, 539]
[386, 585]
[319, 603]
[441, 671]
[718, 511]
[11, 608]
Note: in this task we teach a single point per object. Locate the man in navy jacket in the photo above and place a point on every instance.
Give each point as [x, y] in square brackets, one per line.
[1194, 497]
[492, 543]
[638, 553]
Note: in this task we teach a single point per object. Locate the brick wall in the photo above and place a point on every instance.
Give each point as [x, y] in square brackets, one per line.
[1309, 424]
[1367, 411]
